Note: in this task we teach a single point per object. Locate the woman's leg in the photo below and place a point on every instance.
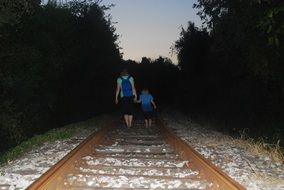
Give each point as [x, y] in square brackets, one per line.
[126, 120]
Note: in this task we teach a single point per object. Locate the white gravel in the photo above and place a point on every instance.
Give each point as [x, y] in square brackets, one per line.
[255, 172]
[20, 173]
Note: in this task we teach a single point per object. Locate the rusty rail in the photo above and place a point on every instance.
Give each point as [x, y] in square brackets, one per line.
[221, 180]
[53, 178]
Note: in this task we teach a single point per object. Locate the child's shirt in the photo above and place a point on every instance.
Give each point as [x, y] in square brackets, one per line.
[146, 100]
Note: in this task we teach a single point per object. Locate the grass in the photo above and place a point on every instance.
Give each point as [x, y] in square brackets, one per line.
[259, 146]
[255, 145]
[50, 136]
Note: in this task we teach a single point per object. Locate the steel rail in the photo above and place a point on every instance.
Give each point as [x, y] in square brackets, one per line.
[221, 181]
[52, 179]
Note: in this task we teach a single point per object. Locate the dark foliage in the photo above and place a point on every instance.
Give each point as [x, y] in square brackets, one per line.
[160, 76]
[232, 71]
[57, 65]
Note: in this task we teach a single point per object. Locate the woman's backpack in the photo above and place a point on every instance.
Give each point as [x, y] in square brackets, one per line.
[126, 86]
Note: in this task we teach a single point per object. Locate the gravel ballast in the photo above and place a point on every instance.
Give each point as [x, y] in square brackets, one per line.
[254, 171]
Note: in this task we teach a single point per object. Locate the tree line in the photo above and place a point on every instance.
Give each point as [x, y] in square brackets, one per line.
[56, 64]
[232, 67]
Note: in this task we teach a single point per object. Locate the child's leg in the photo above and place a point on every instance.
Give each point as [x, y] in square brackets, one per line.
[146, 123]
[150, 122]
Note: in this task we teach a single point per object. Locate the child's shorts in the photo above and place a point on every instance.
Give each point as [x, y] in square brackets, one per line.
[148, 115]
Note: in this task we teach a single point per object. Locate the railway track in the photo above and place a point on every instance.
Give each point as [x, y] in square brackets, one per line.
[136, 158]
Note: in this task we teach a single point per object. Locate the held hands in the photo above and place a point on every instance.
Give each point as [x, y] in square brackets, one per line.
[135, 99]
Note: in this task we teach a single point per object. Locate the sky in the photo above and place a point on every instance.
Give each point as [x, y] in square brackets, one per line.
[148, 28]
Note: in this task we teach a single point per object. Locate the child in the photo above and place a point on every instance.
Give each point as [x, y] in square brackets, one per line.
[147, 104]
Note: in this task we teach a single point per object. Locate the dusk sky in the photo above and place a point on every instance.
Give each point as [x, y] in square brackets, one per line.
[150, 27]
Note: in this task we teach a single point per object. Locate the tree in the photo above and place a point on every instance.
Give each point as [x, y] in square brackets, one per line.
[241, 26]
[193, 50]
[230, 70]
[53, 60]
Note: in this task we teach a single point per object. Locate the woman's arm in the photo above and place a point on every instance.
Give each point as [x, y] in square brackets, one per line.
[117, 92]
[134, 90]
[137, 101]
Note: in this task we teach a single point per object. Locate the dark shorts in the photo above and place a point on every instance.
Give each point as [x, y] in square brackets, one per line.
[127, 105]
[148, 115]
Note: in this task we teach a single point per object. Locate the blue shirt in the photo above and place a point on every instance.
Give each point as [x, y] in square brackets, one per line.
[146, 100]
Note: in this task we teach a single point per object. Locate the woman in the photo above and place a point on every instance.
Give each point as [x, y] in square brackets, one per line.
[125, 86]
